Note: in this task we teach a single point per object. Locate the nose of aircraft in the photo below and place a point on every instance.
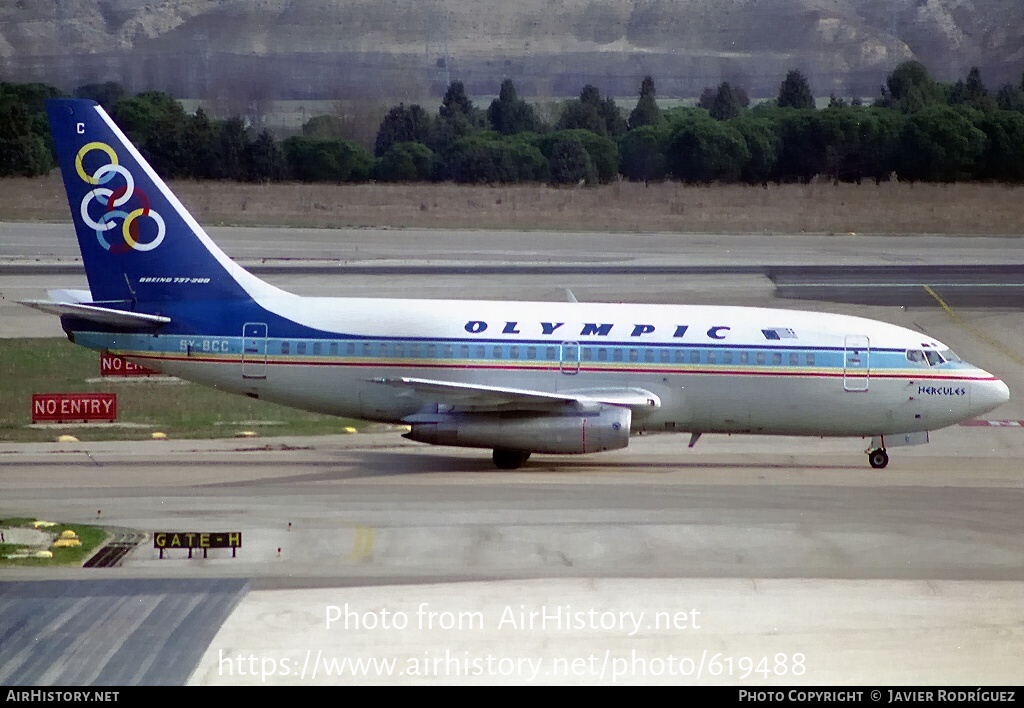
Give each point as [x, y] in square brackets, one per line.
[988, 395]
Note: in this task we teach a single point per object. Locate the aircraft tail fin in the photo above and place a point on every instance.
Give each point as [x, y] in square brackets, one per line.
[138, 242]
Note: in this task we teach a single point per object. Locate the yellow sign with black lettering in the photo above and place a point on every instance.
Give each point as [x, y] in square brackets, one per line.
[197, 539]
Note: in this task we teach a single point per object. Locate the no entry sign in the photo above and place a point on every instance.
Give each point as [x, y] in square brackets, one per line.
[67, 407]
[111, 365]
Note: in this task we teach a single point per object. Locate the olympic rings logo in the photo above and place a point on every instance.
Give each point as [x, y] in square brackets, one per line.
[113, 198]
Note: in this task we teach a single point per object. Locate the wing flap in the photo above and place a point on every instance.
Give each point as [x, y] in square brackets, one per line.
[476, 396]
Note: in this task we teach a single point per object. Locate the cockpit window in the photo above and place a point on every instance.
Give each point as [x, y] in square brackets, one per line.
[930, 357]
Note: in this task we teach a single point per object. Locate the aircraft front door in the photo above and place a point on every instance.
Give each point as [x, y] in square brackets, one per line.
[856, 362]
[254, 350]
[570, 360]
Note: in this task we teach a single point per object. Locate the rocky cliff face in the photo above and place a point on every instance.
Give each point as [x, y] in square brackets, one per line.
[299, 48]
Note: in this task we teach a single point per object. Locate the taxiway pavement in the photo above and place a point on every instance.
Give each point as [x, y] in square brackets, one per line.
[785, 547]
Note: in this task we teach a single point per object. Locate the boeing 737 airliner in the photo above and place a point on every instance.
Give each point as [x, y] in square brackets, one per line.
[514, 377]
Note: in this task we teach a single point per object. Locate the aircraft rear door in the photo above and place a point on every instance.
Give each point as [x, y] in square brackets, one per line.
[254, 350]
[856, 362]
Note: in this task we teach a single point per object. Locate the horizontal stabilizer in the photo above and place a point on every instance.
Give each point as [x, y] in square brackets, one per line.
[95, 313]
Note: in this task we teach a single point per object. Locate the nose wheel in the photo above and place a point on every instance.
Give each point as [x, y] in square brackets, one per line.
[878, 458]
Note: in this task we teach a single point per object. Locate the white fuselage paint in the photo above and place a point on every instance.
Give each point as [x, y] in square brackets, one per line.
[882, 393]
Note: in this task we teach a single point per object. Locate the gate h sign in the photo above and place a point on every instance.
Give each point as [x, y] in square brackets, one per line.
[65, 407]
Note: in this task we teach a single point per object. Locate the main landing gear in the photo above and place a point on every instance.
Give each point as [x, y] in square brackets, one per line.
[878, 458]
[505, 459]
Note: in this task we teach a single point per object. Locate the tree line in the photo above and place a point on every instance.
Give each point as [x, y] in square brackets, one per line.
[917, 129]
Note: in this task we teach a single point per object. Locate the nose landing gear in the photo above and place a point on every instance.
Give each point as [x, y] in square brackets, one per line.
[878, 458]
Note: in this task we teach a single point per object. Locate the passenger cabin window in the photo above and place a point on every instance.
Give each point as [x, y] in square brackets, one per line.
[334, 349]
[481, 352]
[285, 347]
[760, 358]
[726, 357]
[634, 355]
[316, 348]
[300, 348]
[549, 353]
[794, 359]
[695, 356]
[350, 348]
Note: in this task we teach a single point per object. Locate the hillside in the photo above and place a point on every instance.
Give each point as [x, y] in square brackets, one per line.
[388, 48]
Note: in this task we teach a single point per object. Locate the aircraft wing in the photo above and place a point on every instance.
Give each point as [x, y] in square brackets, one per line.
[470, 396]
[95, 313]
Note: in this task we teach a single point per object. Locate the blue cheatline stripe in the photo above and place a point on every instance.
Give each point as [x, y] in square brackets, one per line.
[380, 352]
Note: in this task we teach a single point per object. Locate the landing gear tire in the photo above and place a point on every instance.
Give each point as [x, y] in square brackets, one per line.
[878, 459]
[510, 459]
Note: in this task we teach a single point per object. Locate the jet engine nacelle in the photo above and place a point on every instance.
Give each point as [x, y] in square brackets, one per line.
[605, 429]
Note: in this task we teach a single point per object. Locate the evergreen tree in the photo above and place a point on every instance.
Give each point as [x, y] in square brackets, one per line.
[795, 92]
[704, 151]
[1010, 98]
[643, 154]
[232, 147]
[577, 115]
[570, 163]
[940, 144]
[646, 111]
[729, 101]
[402, 125]
[508, 114]
[972, 92]
[405, 162]
[22, 152]
[456, 101]
[591, 112]
[200, 140]
[264, 160]
[909, 88]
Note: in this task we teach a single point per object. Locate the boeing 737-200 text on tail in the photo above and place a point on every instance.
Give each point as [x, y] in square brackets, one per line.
[514, 377]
